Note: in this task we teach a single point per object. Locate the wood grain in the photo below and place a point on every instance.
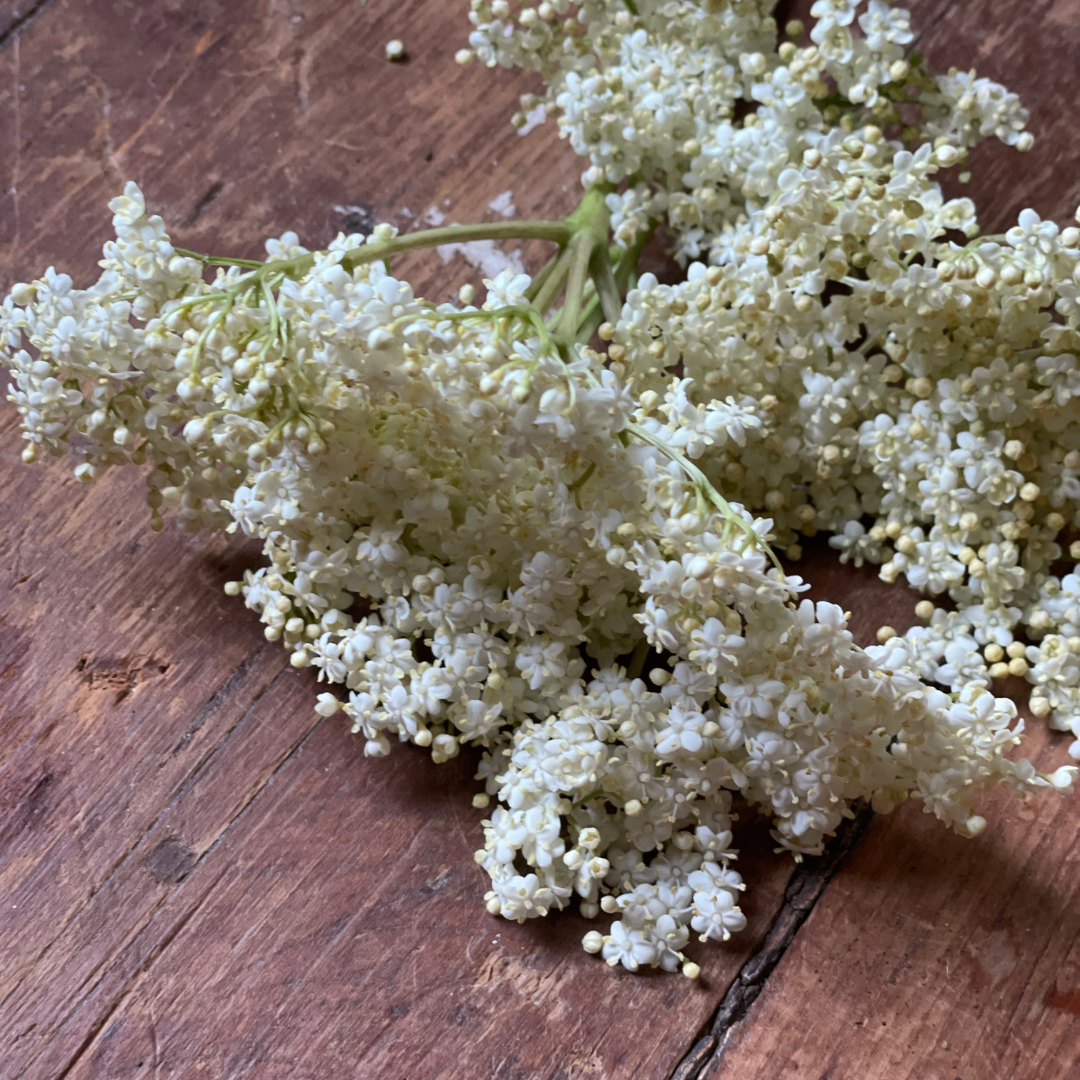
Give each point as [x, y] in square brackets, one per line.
[933, 957]
[199, 877]
[195, 872]
[938, 958]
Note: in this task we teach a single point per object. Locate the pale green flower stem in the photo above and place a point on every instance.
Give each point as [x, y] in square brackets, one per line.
[593, 294]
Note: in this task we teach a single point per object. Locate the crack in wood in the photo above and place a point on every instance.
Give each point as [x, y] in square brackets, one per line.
[806, 887]
[188, 875]
[22, 21]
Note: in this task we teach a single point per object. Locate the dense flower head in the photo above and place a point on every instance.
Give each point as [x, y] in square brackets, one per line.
[478, 533]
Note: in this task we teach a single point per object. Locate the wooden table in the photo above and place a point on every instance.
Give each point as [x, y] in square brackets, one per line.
[200, 878]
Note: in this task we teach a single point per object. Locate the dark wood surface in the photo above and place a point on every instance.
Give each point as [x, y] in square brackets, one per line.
[198, 877]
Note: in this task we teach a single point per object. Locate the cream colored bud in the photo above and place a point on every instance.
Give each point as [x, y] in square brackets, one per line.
[633, 808]
[924, 610]
[589, 838]
[691, 970]
[593, 941]
[947, 156]
[1030, 492]
[616, 556]
[1039, 706]
[395, 50]
[1011, 274]
[885, 633]
[994, 653]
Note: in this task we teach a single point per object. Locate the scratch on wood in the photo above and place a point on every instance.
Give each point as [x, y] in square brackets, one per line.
[133, 981]
[806, 887]
[17, 156]
[128, 852]
[24, 20]
[208, 196]
[201, 46]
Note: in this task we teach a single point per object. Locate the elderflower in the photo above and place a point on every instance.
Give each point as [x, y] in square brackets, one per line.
[478, 531]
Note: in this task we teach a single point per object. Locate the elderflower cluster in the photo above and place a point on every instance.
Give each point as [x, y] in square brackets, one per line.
[696, 108]
[459, 540]
[910, 393]
[480, 532]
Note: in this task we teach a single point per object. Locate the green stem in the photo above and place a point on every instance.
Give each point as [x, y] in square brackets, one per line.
[580, 254]
[704, 487]
[591, 318]
[558, 232]
[546, 294]
[217, 260]
[626, 271]
[607, 288]
[637, 659]
[546, 271]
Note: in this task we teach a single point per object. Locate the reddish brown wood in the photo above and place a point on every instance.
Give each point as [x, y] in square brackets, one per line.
[195, 874]
[932, 957]
[194, 871]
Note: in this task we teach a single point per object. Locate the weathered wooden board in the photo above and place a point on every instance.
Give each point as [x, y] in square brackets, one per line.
[169, 855]
[932, 957]
[195, 874]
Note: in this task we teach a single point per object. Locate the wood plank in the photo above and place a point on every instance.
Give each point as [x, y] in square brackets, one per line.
[157, 815]
[204, 911]
[940, 957]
